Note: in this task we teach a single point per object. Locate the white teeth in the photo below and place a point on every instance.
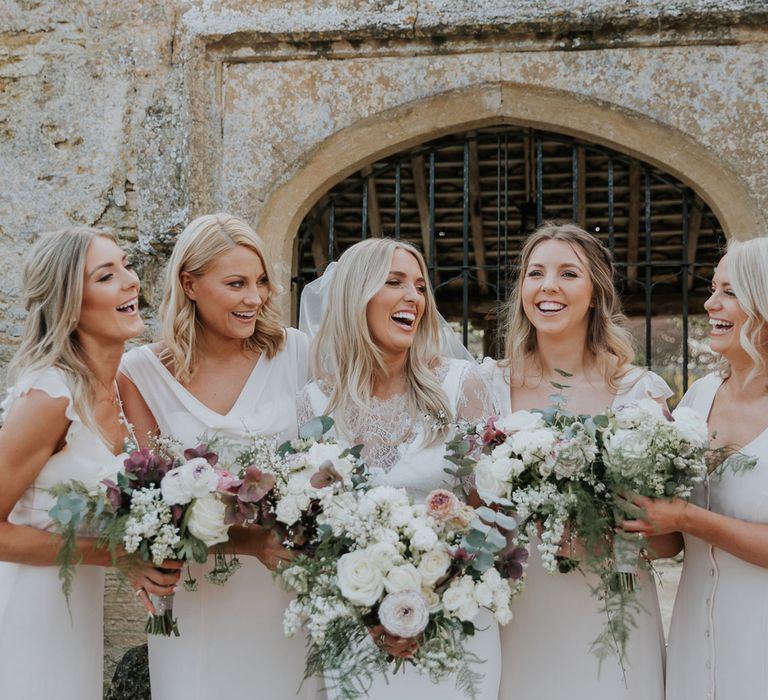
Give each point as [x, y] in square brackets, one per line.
[128, 306]
[550, 306]
[244, 314]
[404, 315]
[720, 323]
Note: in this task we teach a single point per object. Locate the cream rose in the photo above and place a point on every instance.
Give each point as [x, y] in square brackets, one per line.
[405, 577]
[520, 420]
[360, 579]
[434, 565]
[459, 600]
[206, 520]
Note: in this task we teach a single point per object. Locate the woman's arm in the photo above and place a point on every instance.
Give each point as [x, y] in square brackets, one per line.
[24, 451]
[742, 539]
[136, 411]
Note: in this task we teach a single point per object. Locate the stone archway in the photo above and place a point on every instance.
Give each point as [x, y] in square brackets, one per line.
[413, 123]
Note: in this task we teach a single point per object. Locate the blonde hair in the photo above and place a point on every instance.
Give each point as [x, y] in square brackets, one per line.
[52, 290]
[345, 356]
[607, 338]
[748, 272]
[197, 247]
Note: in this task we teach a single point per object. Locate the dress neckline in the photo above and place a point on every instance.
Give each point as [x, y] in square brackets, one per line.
[169, 376]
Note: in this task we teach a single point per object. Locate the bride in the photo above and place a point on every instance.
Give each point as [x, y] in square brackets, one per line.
[380, 376]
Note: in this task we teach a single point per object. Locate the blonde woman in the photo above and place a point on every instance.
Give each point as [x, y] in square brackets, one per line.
[224, 366]
[62, 421]
[564, 314]
[382, 379]
[718, 643]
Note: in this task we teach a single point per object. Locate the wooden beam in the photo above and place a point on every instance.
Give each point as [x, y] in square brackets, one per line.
[581, 205]
[319, 245]
[476, 216]
[633, 225]
[374, 216]
[694, 231]
[420, 188]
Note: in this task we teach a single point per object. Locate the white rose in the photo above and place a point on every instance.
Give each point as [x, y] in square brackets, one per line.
[691, 426]
[638, 411]
[287, 510]
[403, 578]
[298, 483]
[434, 565]
[384, 555]
[501, 451]
[520, 420]
[533, 445]
[322, 452]
[433, 599]
[401, 516]
[360, 579]
[483, 594]
[492, 476]
[627, 445]
[206, 520]
[423, 539]
[459, 600]
[174, 489]
[503, 615]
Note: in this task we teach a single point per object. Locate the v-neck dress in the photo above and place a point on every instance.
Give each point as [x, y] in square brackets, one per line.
[545, 649]
[46, 652]
[232, 642]
[718, 640]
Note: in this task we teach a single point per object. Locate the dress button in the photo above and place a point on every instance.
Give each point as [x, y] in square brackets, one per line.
[708, 664]
[707, 634]
[712, 572]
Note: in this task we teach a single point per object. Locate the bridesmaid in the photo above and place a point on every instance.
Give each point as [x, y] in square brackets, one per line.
[564, 314]
[718, 644]
[224, 366]
[381, 377]
[63, 421]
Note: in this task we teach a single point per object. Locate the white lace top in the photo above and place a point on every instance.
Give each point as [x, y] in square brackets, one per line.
[393, 446]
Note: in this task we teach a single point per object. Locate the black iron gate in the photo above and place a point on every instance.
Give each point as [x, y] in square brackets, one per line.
[469, 200]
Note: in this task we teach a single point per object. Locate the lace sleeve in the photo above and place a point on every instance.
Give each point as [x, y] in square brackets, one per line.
[475, 401]
[304, 411]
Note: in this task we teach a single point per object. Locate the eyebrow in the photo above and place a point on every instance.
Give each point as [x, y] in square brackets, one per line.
[402, 275]
[570, 264]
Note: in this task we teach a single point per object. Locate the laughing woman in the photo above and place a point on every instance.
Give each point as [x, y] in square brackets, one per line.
[225, 366]
[564, 314]
[718, 644]
[63, 421]
[382, 379]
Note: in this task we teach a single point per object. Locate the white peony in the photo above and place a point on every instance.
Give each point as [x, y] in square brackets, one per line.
[321, 452]
[492, 476]
[206, 520]
[405, 577]
[691, 426]
[638, 411]
[434, 565]
[404, 613]
[533, 445]
[359, 578]
[199, 477]
[520, 420]
[503, 615]
[173, 488]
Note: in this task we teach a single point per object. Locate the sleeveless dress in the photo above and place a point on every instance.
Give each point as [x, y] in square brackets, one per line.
[232, 642]
[546, 647]
[407, 464]
[718, 640]
[44, 651]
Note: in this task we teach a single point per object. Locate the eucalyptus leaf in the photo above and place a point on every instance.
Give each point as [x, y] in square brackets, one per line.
[483, 561]
[486, 514]
[495, 541]
[507, 522]
[557, 385]
[600, 420]
[473, 539]
[563, 373]
[315, 428]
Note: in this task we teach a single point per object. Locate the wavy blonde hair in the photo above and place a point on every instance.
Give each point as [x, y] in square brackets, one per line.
[197, 247]
[607, 336]
[345, 356]
[748, 270]
[52, 290]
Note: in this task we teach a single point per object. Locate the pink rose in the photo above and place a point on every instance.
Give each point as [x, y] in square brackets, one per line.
[442, 505]
[491, 434]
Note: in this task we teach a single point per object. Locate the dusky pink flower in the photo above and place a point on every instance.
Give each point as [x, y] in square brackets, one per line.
[325, 476]
[512, 561]
[256, 484]
[490, 434]
[203, 451]
[114, 494]
[442, 505]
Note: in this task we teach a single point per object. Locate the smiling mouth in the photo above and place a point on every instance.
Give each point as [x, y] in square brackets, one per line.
[129, 307]
[244, 315]
[550, 307]
[719, 326]
[404, 319]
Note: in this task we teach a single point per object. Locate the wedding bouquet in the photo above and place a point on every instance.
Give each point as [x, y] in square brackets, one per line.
[383, 565]
[161, 507]
[649, 452]
[280, 487]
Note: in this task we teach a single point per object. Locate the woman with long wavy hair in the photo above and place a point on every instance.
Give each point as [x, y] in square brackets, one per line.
[718, 640]
[381, 376]
[224, 367]
[564, 315]
[63, 421]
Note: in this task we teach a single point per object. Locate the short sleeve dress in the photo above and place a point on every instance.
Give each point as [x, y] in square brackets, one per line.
[546, 647]
[232, 642]
[46, 650]
[718, 639]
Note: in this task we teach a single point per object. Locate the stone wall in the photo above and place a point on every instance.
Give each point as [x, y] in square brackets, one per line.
[139, 115]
